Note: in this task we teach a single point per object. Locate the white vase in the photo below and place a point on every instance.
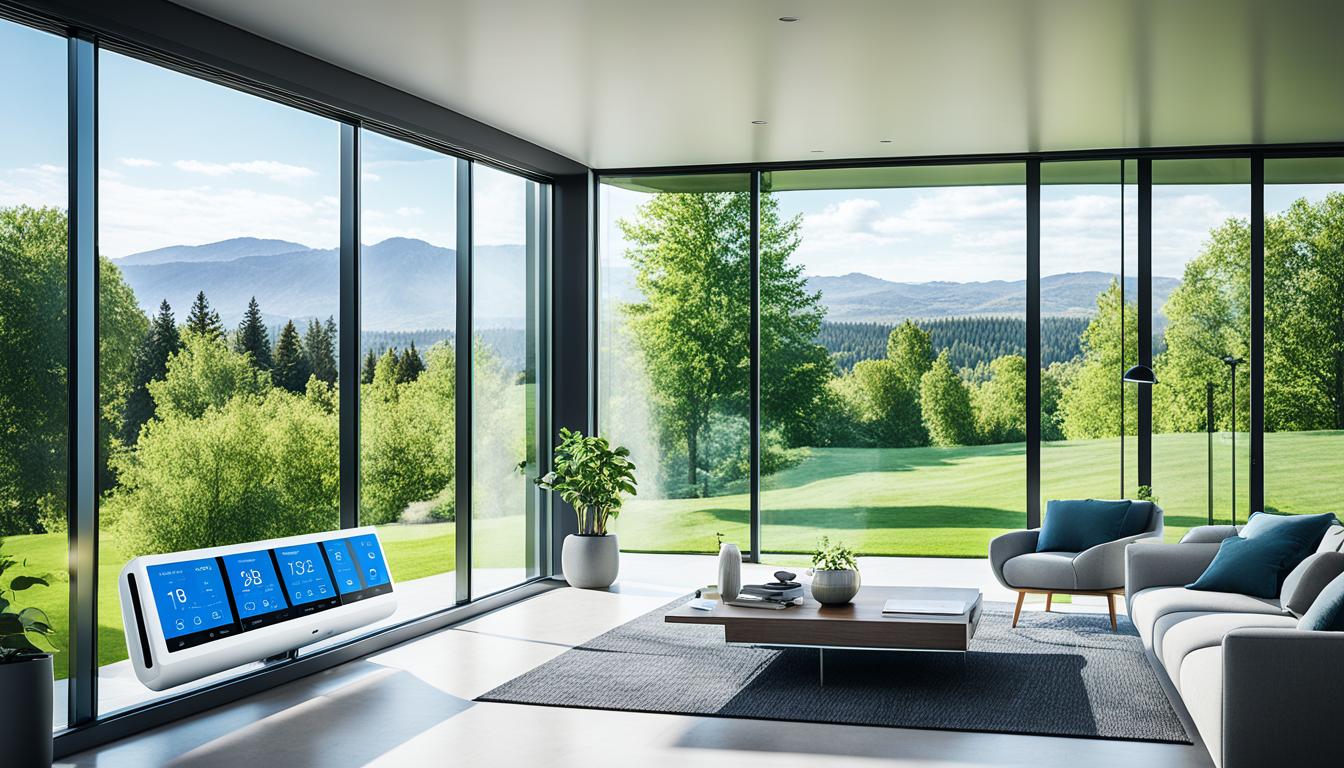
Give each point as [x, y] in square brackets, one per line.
[730, 571]
[835, 587]
[590, 562]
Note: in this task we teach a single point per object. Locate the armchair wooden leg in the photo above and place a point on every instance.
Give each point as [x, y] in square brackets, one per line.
[1049, 596]
[1110, 605]
[1018, 610]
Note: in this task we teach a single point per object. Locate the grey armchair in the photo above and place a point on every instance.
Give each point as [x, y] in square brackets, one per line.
[1096, 571]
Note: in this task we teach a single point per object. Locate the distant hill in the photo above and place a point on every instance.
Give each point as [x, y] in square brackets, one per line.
[406, 284]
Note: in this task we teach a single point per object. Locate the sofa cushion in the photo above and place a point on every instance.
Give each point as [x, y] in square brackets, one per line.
[1149, 605]
[1201, 686]
[1205, 631]
[1307, 580]
[1074, 525]
[1306, 531]
[1333, 540]
[1327, 613]
[1042, 570]
[1136, 518]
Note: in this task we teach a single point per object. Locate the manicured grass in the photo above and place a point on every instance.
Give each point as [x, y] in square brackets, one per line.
[413, 552]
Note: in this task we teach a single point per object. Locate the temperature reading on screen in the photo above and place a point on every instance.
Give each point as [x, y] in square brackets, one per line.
[251, 578]
[178, 597]
[300, 567]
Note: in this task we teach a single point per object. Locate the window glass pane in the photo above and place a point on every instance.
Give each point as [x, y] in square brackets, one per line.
[1201, 248]
[1304, 336]
[34, 333]
[219, 221]
[1089, 218]
[893, 384]
[507, 248]
[673, 325]
[408, 278]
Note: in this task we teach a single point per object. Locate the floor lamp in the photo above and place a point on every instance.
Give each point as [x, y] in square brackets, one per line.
[1143, 376]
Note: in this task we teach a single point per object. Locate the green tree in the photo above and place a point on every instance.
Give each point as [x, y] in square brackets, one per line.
[910, 349]
[370, 365]
[886, 410]
[690, 253]
[151, 364]
[1090, 405]
[410, 366]
[290, 369]
[204, 374]
[252, 337]
[202, 320]
[319, 346]
[945, 403]
[1001, 403]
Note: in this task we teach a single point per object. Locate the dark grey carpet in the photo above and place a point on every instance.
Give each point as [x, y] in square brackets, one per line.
[1057, 674]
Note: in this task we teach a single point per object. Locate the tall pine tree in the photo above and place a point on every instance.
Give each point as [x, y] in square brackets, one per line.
[410, 366]
[151, 363]
[370, 367]
[203, 320]
[290, 367]
[253, 337]
[319, 346]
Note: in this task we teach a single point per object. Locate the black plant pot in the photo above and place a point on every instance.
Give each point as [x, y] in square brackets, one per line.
[25, 713]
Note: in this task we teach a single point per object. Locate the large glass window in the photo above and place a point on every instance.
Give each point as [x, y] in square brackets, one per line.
[893, 378]
[34, 335]
[218, 221]
[408, 313]
[674, 312]
[1201, 242]
[508, 392]
[1089, 329]
[1304, 335]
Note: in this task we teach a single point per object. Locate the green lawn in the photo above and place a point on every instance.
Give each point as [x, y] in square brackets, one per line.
[413, 552]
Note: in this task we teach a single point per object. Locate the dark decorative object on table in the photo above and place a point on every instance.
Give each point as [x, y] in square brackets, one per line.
[25, 676]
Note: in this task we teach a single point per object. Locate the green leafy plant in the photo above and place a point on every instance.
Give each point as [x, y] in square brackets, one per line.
[17, 623]
[1145, 493]
[834, 557]
[590, 476]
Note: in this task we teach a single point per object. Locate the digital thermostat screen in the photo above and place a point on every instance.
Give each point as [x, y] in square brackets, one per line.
[256, 587]
[343, 565]
[370, 559]
[190, 597]
[305, 573]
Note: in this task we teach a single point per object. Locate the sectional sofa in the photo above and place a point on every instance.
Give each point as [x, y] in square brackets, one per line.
[1260, 691]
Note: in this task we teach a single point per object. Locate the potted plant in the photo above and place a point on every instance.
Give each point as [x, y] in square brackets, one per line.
[835, 573]
[590, 476]
[25, 675]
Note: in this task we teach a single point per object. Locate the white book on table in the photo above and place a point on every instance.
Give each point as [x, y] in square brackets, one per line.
[925, 607]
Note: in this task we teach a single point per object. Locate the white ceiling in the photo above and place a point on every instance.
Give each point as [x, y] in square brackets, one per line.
[626, 83]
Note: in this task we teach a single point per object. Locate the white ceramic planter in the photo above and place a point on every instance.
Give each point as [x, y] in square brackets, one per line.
[590, 562]
[730, 571]
[834, 587]
[25, 713]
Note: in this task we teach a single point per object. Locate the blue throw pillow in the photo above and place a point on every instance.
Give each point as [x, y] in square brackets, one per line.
[1079, 524]
[1248, 566]
[1306, 531]
[1136, 518]
[1326, 613]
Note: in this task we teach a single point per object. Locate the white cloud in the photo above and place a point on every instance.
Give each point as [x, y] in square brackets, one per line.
[271, 169]
[39, 185]
[1181, 226]
[369, 177]
[410, 210]
[138, 162]
[499, 213]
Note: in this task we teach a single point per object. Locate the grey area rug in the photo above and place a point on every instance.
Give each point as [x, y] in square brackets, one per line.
[1057, 674]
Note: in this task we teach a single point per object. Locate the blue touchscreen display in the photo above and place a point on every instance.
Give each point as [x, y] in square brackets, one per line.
[256, 588]
[305, 574]
[343, 564]
[370, 559]
[189, 596]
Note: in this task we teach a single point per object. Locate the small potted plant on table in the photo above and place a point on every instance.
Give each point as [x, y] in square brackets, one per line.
[590, 476]
[835, 573]
[25, 675]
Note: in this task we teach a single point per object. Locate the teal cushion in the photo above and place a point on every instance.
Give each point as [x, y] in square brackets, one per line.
[1306, 531]
[1247, 566]
[1136, 518]
[1326, 613]
[1075, 525]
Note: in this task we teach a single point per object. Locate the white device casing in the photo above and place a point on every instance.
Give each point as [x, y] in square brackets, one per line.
[167, 669]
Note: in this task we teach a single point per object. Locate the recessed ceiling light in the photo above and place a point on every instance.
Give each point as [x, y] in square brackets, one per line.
[788, 19]
[884, 141]
[758, 122]
[818, 151]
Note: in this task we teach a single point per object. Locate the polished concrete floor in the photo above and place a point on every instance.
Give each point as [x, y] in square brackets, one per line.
[412, 705]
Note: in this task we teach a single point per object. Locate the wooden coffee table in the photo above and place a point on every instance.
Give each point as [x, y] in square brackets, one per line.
[860, 625]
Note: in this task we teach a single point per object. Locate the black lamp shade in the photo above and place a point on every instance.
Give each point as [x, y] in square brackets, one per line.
[1140, 374]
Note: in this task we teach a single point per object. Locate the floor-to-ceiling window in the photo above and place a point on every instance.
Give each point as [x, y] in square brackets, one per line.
[893, 378]
[34, 339]
[408, 314]
[508, 394]
[219, 294]
[1089, 329]
[1201, 245]
[1304, 335]
[674, 310]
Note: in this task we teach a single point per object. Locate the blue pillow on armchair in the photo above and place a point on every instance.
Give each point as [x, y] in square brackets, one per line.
[1076, 525]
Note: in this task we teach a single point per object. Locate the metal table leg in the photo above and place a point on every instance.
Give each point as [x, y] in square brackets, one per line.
[821, 666]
